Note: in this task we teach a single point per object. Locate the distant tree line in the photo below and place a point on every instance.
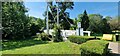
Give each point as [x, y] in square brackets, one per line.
[97, 24]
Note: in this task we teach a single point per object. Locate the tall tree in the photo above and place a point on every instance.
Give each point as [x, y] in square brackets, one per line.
[63, 15]
[105, 27]
[114, 23]
[98, 24]
[95, 20]
[14, 21]
[85, 21]
[79, 17]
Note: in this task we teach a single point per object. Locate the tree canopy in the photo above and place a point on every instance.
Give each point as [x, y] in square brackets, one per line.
[64, 19]
[98, 24]
[85, 21]
[16, 24]
[13, 18]
[114, 23]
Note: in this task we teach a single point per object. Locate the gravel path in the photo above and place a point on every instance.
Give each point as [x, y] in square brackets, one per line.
[114, 48]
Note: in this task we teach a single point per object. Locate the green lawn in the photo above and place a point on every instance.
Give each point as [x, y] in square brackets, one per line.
[35, 46]
[8, 45]
[50, 48]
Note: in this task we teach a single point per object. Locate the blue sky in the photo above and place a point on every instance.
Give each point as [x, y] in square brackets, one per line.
[37, 9]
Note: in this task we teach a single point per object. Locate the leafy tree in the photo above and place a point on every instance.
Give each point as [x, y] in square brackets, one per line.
[98, 24]
[85, 21]
[95, 21]
[36, 25]
[63, 15]
[74, 27]
[16, 24]
[14, 20]
[105, 27]
[79, 17]
[114, 24]
[40, 24]
[66, 21]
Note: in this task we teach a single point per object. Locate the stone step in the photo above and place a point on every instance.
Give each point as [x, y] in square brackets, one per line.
[114, 48]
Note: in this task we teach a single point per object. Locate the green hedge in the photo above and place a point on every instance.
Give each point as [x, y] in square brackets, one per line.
[78, 39]
[94, 48]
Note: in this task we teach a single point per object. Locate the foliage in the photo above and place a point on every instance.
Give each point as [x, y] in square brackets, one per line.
[57, 34]
[73, 28]
[43, 36]
[98, 24]
[79, 17]
[105, 27]
[50, 48]
[78, 39]
[6, 45]
[36, 25]
[114, 24]
[94, 48]
[85, 21]
[65, 24]
[14, 20]
[64, 19]
[75, 23]
[16, 24]
[95, 20]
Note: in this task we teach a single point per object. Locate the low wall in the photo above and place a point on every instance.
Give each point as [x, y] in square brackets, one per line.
[66, 33]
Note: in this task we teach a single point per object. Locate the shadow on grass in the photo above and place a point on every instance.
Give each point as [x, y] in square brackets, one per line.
[18, 44]
[113, 54]
[98, 34]
[94, 39]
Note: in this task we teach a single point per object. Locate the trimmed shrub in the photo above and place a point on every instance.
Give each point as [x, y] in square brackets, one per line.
[78, 39]
[94, 48]
[43, 36]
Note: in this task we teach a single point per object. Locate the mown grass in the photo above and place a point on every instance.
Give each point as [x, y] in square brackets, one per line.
[50, 48]
[35, 46]
[8, 45]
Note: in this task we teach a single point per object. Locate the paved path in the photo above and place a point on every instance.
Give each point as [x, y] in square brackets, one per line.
[114, 48]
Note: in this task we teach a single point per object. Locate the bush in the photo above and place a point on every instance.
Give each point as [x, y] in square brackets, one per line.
[94, 48]
[44, 37]
[78, 39]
